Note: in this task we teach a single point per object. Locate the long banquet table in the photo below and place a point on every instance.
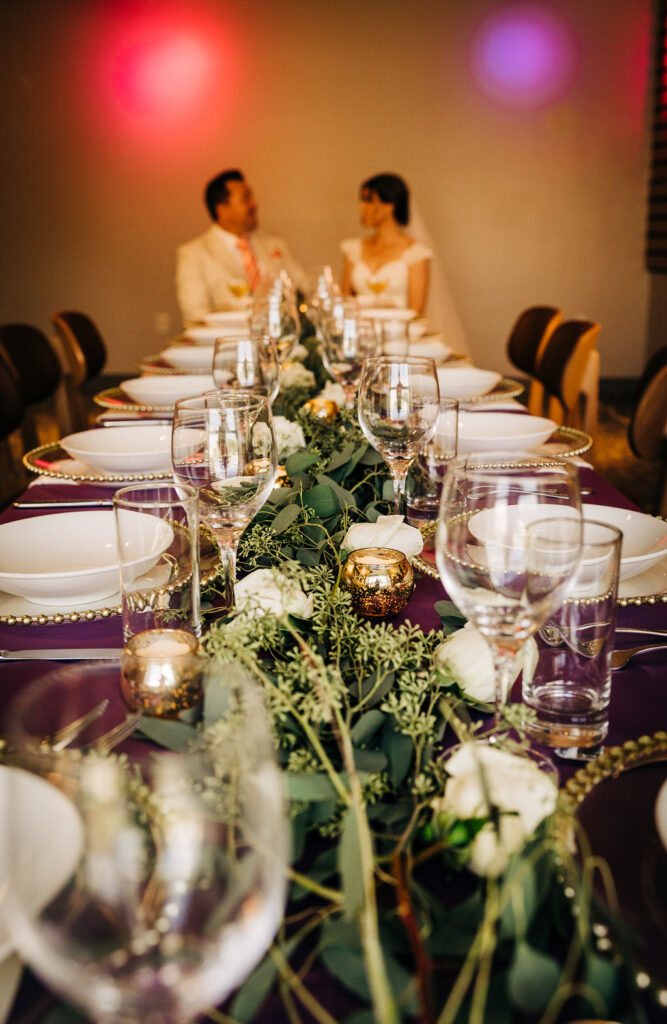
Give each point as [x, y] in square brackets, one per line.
[638, 699]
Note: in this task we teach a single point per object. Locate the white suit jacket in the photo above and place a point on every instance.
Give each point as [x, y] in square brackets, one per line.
[206, 266]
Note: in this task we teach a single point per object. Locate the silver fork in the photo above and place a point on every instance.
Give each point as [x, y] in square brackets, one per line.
[103, 744]
[619, 659]
[62, 738]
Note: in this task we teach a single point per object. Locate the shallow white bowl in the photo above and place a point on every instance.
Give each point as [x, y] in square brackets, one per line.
[466, 381]
[74, 555]
[189, 357]
[644, 537]
[498, 431]
[386, 312]
[123, 449]
[226, 317]
[209, 334]
[166, 389]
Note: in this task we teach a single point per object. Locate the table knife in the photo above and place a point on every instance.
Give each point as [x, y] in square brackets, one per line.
[64, 654]
[65, 503]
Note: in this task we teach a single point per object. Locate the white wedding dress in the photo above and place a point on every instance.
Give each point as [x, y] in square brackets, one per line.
[387, 286]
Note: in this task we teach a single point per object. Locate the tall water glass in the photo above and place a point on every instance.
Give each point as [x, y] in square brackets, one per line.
[248, 364]
[224, 445]
[348, 338]
[277, 316]
[485, 561]
[166, 869]
[398, 410]
[427, 473]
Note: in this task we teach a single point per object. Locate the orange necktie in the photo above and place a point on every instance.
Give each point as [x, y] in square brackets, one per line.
[251, 269]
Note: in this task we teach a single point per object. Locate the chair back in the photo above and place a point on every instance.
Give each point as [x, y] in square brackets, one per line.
[12, 405]
[529, 335]
[646, 431]
[83, 347]
[563, 363]
[34, 360]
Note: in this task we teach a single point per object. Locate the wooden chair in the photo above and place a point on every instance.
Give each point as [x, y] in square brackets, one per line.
[12, 408]
[647, 432]
[40, 376]
[569, 372]
[527, 341]
[83, 355]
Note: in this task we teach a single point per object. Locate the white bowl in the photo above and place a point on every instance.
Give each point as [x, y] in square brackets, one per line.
[228, 317]
[498, 431]
[644, 536]
[74, 555]
[386, 312]
[166, 389]
[466, 381]
[208, 334]
[123, 449]
[189, 357]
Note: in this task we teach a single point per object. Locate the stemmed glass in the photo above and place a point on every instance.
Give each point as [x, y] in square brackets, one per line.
[224, 444]
[348, 338]
[168, 868]
[250, 364]
[398, 411]
[502, 582]
[277, 316]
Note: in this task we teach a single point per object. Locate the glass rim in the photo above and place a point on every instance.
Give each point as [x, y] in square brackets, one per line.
[408, 360]
[121, 498]
[616, 538]
[238, 397]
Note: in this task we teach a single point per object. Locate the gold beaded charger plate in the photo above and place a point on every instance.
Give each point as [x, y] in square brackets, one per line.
[649, 587]
[155, 365]
[614, 799]
[53, 461]
[16, 611]
[115, 398]
[505, 389]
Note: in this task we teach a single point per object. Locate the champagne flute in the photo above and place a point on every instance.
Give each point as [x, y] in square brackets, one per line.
[487, 563]
[348, 338]
[224, 444]
[167, 869]
[398, 411]
[250, 364]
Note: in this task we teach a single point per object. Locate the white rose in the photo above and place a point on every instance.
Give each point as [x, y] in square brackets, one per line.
[333, 392]
[267, 590]
[295, 375]
[387, 532]
[514, 784]
[468, 657]
[289, 437]
[299, 353]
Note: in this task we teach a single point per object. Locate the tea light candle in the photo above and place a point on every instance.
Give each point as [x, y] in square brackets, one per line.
[322, 408]
[161, 672]
[380, 581]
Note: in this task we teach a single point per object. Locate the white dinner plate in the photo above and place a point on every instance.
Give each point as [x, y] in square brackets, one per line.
[501, 431]
[45, 826]
[661, 813]
[209, 334]
[227, 317]
[466, 381]
[189, 357]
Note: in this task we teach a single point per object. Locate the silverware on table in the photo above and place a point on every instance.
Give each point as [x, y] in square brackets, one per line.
[66, 503]
[64, 654]
[642, 632]
[103, 744]
[62, 738]
[619, 659]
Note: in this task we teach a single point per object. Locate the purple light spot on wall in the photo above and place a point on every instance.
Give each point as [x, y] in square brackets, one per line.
[523, 56]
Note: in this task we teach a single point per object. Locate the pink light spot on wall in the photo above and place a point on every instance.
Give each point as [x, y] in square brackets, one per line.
[164, 75]
[524, 56]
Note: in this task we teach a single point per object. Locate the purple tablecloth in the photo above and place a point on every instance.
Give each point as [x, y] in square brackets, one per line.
[639, 692]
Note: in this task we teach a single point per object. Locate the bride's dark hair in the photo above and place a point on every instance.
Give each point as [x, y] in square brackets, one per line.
[389, 188]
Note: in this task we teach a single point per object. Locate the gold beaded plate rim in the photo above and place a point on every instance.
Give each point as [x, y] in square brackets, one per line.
[505, 389]
[210, 565]
[151, 365]
[115, 398]
[55, 452]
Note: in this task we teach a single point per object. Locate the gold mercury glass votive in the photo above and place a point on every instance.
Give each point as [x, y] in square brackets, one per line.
[322, 408]
[380, 581]
[161, 672]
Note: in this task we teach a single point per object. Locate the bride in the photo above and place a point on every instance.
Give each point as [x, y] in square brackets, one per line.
[389, 265]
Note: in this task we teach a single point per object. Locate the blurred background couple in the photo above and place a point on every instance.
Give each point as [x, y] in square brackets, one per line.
[394, 264]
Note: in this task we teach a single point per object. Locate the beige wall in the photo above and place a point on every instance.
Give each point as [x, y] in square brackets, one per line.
[524, 207]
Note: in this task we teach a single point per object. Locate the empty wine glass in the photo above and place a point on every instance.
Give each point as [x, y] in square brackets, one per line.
[398, 410]
[277, 316]
[166, 870]
[224, 444]
[348, 338]
[250, 364]
[487, 564]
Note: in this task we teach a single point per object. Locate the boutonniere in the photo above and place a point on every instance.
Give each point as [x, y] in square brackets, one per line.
[277, 254]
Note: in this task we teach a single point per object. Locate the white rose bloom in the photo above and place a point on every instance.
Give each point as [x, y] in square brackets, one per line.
[267, 590]
[387, 532]
[299, 353]
[514, 784]
[468, 657]
[295, 375]
[289, 437]
[333, 393]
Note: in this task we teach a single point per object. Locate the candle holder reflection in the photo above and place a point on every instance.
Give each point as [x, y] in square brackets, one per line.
[162, 672]
[380, 581]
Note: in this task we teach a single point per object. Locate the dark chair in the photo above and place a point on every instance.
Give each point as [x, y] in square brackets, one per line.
[12, 408]
[39, 373]
[648, 424]
[83, 356]
[529, 335]
[569, 372]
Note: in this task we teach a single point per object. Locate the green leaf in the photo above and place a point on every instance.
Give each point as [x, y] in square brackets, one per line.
[371, 457]
[601, 976]
[170, 734]
[366, 727]
[347, 965]
[400, 751]
[302, 786]
[532, 978]
[360, 1017]
[220, 688]
[322, 500]
[299, 462]
[254, 991]
[349, 864]
[285, 518]
[372, 761]
[450, 616]
[308, 556]
[346, 498]
[340, 458]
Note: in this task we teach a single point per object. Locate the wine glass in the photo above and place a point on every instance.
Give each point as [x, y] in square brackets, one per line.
[166, 869]
[489, 567]
[277, 316]
[250, 364]
[398, 411]
[239, 287]
[348, 338]
[224, 444]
